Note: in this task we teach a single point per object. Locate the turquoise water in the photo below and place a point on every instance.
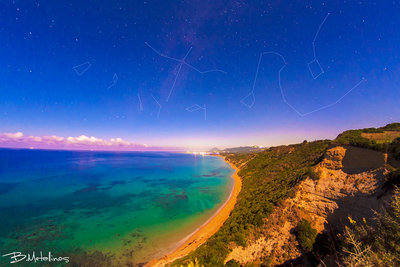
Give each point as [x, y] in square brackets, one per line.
[105, 208]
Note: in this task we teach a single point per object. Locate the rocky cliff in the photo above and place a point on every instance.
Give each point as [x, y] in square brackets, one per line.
[348, 184]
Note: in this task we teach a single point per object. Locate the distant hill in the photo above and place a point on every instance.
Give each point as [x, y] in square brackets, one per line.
[241, 149]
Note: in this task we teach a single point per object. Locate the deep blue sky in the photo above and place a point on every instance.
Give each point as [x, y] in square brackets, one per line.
[41, 94]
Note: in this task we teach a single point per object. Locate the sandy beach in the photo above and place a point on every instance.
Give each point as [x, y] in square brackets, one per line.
[211, 226]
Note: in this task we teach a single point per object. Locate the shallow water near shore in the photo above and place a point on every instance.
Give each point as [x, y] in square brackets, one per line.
[105, 208]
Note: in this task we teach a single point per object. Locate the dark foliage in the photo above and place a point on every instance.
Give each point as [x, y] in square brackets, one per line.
[395, 148]
[305, 235]
[232, 263]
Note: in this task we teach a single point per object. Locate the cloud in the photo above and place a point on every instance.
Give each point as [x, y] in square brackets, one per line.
[119, 141]
[83, 139]
[11, 136]
[19, 140]
[34, 138]
[52, 139]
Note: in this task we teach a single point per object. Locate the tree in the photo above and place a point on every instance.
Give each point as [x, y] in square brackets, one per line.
[305, 235]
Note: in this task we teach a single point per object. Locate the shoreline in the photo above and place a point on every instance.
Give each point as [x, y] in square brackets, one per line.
[206, 230]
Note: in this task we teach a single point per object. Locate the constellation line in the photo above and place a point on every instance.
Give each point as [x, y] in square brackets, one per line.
[283, 93]
[159, 106]
[140, 103]
[80, 71]
[316, 34]
[114, 81]
[182, 62]
[315, 110]
[251, 94]
[196, 107]
[315, 60]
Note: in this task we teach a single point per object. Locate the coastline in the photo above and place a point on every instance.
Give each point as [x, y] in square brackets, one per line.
[205, 231]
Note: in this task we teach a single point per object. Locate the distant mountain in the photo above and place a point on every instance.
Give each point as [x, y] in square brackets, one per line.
[214, 149]
[241, 149]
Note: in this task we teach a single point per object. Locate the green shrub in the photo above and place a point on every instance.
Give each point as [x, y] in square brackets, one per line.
[305, 235]
[232, 263]
[312, 174]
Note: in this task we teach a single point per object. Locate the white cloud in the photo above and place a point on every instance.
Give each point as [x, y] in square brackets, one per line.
[83, 139]
[34, 138]
[52, 139]
[17, 135]
[120, 141]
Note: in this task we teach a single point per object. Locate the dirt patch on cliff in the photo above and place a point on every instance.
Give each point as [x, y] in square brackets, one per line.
[382, 137]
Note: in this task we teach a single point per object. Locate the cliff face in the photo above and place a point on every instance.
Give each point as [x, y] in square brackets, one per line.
[350, 184]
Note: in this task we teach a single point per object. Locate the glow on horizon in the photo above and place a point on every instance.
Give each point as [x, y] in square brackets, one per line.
[193, 143]
[262, 139]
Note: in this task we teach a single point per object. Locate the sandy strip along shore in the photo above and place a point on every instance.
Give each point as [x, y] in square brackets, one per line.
[210, 227]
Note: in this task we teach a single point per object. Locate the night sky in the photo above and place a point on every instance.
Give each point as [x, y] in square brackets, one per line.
[177, 73]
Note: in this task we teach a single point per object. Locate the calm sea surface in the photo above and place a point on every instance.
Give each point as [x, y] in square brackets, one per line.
[105, 208]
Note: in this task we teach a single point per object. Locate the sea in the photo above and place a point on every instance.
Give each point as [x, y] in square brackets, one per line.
[104, 208]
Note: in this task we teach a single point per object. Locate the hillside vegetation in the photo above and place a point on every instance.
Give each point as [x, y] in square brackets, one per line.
[272, 177]
[268, 177]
